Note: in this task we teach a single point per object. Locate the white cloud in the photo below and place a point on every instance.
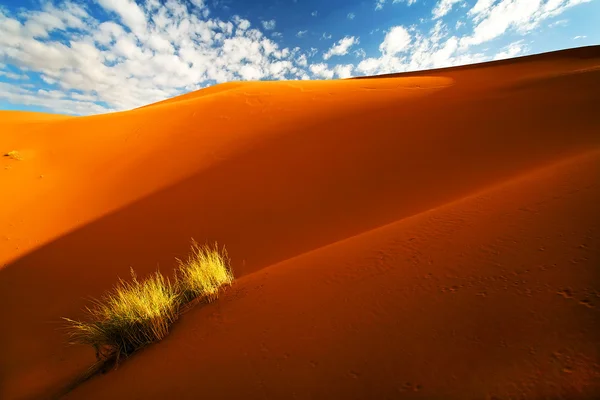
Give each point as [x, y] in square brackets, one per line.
[443, 7]
[341, 47]
[302, 61]
[482, 7]
[130, 13]
[301, 33]
[280, 69]
[343, 71]
[512, 50]
[251, 72]
[321, 70]
[25, 96]
[579, 37]
[370, 66]
[269, 25]
[351, 15]
[167, 52]
[12, 75]
[54, 94]
[360, 53]
[494, 19]
[560, 22]
[242, 24]
[41, 23]
[314, 13]
[396, 40]
[380, 3]
[400, 52]
[438, 32]
[443, 56]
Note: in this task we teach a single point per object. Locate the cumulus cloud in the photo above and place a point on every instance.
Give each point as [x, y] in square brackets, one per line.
[12, 75]
[443, 7]
[512, 50]
[402, 52]
[494, 18]
[481, 7]
[351, 15]
[302, 61]
[560, 22]
[141, 54]
[360, 53]
[343, 71]
[341, 47]
[396, 40]
[269, 25]
[321, 70]
[66, 104]
[129, 12]
[380, 3]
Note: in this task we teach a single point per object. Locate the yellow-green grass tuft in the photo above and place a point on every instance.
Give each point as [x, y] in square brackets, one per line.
[204, 272]
[131, 316]
[137, 313]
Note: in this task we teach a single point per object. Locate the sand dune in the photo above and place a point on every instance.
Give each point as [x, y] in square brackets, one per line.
[482, 284]
[493, 295]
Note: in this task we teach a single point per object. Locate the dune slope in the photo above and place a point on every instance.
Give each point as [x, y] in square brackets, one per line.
[270, 169]
[493, 296]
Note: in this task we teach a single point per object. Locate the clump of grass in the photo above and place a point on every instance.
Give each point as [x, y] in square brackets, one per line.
[137, 313]
[204, 272]
[15, 155]
[131, 316]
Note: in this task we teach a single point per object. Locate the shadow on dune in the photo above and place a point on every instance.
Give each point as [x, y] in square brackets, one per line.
[379, 304]
[298, 192]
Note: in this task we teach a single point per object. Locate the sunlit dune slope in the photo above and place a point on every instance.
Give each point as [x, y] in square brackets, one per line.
[212, 90]
[495, 296]
[270, 169]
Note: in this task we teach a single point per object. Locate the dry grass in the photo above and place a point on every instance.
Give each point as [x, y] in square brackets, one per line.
[137, 313]
[203, 273]
[15, 155]
[129, 317]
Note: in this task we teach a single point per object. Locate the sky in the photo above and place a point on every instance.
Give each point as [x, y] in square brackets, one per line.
[92, 57]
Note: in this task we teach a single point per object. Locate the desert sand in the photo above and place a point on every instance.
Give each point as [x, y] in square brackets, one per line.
[430, 235]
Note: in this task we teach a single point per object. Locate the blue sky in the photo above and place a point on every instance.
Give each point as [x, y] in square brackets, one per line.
[89, 57]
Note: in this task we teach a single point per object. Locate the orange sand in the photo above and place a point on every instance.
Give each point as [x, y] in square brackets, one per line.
[483, 281]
